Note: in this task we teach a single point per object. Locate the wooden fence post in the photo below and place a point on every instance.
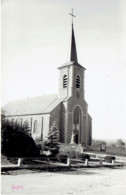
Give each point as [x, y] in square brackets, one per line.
[68, 161]
[86, 162]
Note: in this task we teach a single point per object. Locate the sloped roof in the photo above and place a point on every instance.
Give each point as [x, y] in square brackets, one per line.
[35, 105]
[73, 55]
[71, 63]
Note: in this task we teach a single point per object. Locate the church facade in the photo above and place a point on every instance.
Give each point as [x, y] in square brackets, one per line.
[68, 109]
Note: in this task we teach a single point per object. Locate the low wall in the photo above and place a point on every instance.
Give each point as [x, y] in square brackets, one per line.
[116, 150]
[109, 150]
[71, 147]
[93, 148]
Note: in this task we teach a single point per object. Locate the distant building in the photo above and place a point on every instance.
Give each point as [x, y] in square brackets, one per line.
[68, 108]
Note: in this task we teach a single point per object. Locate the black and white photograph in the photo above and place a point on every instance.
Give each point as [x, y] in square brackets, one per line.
[63, 97]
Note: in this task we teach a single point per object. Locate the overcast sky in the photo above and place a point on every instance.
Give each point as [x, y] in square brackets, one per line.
[36, 41]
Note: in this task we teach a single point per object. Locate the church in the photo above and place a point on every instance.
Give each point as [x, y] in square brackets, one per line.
[68, 109]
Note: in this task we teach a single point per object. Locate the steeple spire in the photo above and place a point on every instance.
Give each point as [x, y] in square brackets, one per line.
[73, 53]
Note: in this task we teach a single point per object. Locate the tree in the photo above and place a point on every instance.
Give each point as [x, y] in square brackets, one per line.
[120, 143]
[98, 142]
[52, 142]
[16, 140]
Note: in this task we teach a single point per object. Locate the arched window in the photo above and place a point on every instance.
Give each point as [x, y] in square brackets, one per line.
[77, 117]
[12, 120]
[26, 124]
[78, 82]
[17, 121]
[65, 81]
[35, 127]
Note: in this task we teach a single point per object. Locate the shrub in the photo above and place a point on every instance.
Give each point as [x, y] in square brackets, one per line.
[71, 154]
[109, 158]
[13, 160]
[53, 158]
[62, 158]
[52, 142]
[120, 143]
[82, 156]
[44, 157]
[16, 140]
[98, 142]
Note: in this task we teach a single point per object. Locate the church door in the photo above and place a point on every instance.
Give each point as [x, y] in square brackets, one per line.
[76, 126]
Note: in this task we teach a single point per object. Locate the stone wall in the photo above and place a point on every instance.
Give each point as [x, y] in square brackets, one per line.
[64, 148]
[55, 116]
[71, 105]
[63, 122]
[109, 150]
[93, 148]
[89, 130]
[116, 150]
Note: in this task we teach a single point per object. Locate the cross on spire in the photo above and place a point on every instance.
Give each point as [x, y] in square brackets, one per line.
[72, 15]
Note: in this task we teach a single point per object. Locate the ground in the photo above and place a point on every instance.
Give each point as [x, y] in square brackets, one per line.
[81, 181]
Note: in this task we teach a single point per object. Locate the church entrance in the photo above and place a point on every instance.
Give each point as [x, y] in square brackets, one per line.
[76, 133]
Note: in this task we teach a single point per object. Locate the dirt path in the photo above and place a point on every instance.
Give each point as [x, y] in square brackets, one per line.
[88, 181]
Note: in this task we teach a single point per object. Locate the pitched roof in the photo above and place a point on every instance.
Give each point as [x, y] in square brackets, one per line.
[71, 63]
[73, 54]
[35, 105]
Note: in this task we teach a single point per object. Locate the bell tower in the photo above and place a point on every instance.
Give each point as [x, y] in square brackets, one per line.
[71, 75]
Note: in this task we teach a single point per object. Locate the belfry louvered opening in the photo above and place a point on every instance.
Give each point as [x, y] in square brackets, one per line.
[65, 81]
[77, 81]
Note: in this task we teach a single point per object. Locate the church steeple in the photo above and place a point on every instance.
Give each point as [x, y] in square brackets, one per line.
[73, 53]
[71, 79]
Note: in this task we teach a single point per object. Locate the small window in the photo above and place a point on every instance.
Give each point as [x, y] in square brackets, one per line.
[35, 127]
[77, 82]
[65, 81]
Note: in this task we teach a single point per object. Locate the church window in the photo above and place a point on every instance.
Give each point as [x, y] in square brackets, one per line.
[78, 82]
[26, 124]
[35, 127]
[76, 115]
[65, 81]
[17, 121]
[21, 121]
[12, 120]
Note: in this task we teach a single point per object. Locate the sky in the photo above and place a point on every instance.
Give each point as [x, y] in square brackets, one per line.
[36, 40]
